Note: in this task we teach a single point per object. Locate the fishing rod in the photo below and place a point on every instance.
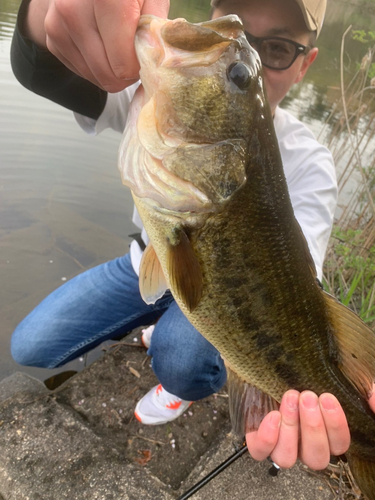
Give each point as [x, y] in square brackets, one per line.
[188, 494]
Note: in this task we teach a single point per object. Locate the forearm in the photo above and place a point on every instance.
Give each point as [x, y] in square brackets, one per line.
[42, 73]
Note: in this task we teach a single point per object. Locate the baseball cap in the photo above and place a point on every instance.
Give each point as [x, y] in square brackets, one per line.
[313, 12]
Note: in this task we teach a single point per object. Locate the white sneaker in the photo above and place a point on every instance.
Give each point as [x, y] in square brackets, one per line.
[146, 335]
[159, 406]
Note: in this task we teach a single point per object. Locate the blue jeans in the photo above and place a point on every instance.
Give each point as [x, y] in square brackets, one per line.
[104, 303]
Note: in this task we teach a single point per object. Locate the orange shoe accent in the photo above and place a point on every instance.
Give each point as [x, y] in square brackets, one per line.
[158, 389]
[137, 417]
[174, 406]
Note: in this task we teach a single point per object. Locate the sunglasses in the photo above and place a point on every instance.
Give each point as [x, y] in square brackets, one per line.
[276, 52]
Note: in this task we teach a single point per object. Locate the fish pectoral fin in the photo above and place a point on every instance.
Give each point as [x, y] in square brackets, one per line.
[248, 405]
[152, 282]
[356, 346]
[184, 271]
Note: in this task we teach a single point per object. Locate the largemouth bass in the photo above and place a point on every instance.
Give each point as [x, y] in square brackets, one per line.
[201, 157]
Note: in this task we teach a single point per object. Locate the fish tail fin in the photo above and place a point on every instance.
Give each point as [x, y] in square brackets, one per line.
[364, 474]
[355, 343]
[247, 404]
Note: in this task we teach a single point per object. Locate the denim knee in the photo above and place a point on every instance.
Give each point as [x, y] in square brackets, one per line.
[23, 349]
[191, 378]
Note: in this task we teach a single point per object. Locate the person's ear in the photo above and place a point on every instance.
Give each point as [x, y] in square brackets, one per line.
[308, 60]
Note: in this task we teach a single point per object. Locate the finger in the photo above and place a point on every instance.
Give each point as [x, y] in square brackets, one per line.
[61, 45]
[78, 65]
[261, 442]
[117, 24]
[286, 450]
[74, 33]
[314, 440]
[159, 8]
[96, 61]
[335, 423]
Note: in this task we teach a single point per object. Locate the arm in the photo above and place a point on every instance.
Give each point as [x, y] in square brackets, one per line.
[73, 52]
[42, 73]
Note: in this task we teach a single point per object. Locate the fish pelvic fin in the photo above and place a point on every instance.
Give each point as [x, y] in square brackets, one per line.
[184, 271]
[152, 282]
[356, 346]
[364, 474]
[247, 404]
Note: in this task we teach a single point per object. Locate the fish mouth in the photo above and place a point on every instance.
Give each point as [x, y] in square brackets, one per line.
[174, 43]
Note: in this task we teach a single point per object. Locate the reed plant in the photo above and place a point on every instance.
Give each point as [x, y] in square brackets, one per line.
[349, 132]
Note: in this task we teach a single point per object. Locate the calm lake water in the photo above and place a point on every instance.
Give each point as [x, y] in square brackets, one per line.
[62, 206]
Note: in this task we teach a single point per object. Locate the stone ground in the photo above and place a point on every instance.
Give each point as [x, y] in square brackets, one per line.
[81, 441]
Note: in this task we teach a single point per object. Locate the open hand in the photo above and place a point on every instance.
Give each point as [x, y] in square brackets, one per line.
[305, 426]
[93, 38]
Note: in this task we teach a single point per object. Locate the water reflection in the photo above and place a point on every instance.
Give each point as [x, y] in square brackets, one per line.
[62, 206]
[7, 26]
[194, 11]
[8, 15]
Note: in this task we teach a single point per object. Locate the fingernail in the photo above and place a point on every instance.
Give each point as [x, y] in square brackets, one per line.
[275, 419]
[292, 401]
[329, 402]
[309, 400]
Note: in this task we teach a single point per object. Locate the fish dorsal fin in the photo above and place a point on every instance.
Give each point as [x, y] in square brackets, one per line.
[152, 283]
[356, 346]
[247, 404]
[184, 271]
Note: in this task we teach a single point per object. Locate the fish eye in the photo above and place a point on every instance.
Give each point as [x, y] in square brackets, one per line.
[240, 75]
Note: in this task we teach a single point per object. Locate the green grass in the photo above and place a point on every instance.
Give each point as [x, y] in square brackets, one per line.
[349, 270]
